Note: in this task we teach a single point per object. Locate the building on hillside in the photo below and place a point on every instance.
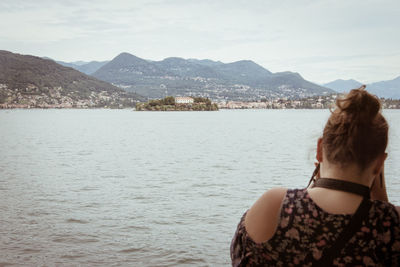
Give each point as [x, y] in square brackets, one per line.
[183, 100]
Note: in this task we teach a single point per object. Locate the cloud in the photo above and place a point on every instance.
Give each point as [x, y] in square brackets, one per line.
[311, 37]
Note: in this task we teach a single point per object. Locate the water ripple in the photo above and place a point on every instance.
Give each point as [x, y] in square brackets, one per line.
[76, 221]
[131, 250]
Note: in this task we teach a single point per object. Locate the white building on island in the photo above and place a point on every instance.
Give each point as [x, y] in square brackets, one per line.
[183, 100]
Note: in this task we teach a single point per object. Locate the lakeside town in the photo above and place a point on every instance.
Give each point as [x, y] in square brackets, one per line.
[31, 97]
[58, 97]
[314, 102]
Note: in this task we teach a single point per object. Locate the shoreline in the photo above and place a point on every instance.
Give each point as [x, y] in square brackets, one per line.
[171, 111]
[220, 108]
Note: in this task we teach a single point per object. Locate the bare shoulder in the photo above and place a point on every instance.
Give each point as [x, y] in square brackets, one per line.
[262, 218]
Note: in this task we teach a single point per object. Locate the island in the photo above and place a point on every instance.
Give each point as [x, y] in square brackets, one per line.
[171, 103]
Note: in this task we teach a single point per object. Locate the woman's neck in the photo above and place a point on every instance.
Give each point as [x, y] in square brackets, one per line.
[349, 173]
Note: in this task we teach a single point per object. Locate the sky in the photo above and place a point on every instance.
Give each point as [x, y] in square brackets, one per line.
[323, 40]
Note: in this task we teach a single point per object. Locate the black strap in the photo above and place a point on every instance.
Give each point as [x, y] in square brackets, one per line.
[329, 254]
[341, 185]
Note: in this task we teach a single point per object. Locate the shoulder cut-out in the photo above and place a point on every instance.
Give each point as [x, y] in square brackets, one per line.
[262, 218]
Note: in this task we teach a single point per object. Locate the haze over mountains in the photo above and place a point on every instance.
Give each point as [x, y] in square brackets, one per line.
[85, 67]
[385, 89]
[241, 80]
[342, 86]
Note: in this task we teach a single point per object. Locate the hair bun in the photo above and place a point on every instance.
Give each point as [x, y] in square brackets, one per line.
[359, 105]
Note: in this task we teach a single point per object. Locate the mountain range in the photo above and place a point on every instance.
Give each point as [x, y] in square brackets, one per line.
[240, 80]
[32, 81]
[385, 89]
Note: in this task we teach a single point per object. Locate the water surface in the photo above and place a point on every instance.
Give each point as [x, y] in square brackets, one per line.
[117, 187]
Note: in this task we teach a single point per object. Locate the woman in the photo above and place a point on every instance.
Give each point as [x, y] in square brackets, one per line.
[345, 220]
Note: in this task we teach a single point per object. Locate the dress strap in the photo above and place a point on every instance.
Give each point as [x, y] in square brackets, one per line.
[333, 251]
[342, 185]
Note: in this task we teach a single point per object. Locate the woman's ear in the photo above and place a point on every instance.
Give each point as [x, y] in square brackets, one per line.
[319, 150]
[380, 161]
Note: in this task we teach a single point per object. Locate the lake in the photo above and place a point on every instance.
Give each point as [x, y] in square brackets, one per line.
[118, 187]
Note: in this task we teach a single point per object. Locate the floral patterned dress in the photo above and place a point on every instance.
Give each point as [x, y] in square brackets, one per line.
[305, 228]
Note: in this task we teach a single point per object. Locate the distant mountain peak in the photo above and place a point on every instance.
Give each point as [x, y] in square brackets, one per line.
[246, 67]
[123, 54]
[342, 86]
[130, 67]
[344, 80]
[206, 62]
[173, 60]
[126, 60]
[126, 57]
[290, 73]
[245, 61]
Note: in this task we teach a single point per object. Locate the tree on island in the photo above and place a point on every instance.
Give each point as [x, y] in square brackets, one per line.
[169, 100]
[202, 100]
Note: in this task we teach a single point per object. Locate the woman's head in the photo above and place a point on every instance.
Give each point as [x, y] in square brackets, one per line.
[356, 131]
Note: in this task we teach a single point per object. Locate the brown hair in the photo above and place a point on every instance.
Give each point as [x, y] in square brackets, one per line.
[356, 131]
